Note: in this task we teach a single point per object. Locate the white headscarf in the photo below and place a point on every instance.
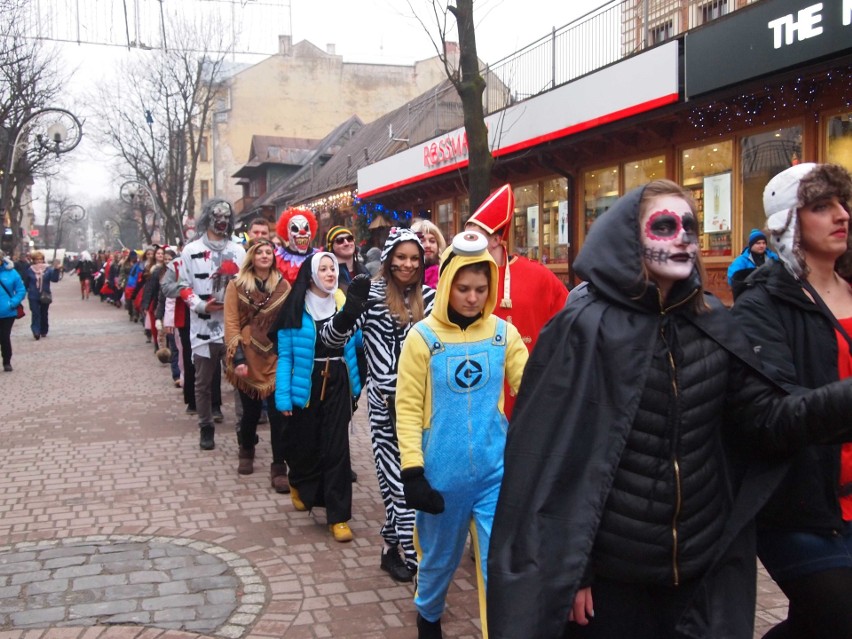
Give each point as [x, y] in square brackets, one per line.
[321, 307]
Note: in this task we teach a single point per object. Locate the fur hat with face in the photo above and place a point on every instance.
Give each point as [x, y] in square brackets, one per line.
[787, 192]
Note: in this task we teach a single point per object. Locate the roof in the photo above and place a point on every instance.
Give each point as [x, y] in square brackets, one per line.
[270, 149]
[325, 149]
[396, 131]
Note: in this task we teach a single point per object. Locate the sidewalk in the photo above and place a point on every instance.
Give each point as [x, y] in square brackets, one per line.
[115, 525]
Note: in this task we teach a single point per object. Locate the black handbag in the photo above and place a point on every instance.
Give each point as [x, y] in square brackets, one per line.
[45, 298]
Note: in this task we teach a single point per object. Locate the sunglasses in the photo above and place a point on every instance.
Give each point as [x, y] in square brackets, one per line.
[343, 239]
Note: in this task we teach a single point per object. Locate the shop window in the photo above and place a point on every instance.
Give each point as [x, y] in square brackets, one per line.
[840, 140]
[555, 225]
[445, 220]
[643, 171]
[764, 156]
[706, 172]
[600, 191]
[527, 221]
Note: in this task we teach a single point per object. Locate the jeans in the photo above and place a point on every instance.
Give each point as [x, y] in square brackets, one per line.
[171, 342]
[38, 317]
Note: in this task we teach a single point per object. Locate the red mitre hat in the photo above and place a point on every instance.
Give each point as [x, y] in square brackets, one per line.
[495, 213]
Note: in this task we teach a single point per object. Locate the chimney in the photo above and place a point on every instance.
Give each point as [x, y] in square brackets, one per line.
[329, 48]
[285, 43]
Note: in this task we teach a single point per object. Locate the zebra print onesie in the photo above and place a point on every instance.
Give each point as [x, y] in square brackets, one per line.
[382, 345]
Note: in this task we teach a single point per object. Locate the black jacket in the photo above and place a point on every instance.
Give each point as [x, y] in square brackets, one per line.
[576, 409]
[797, 346]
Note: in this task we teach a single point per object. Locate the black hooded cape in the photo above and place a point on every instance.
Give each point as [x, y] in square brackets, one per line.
[574, 411]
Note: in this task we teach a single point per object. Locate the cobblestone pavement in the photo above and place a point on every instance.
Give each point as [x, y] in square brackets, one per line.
[115, 525]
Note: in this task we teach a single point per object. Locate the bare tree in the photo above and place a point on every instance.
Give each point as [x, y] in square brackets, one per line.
[29, 82]
[154, 113]
[465, 76]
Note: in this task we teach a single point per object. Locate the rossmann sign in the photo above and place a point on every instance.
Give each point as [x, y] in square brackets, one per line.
[449, 148]
[636, 85]
[764, 38]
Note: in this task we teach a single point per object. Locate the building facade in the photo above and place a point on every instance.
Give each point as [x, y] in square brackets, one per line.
[719, 109]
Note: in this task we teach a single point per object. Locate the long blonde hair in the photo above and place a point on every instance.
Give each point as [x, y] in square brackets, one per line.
[245, 280]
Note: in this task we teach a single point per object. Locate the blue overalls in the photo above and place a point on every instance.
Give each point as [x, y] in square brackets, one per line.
[463, 460]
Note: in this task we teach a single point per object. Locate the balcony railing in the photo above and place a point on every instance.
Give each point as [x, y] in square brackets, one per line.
[608, 34]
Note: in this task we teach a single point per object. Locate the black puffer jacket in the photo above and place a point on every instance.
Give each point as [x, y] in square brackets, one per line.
[669, 499]
[797, 346]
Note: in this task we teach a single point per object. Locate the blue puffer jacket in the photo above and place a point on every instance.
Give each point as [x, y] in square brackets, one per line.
[13, 290]
[296, 364]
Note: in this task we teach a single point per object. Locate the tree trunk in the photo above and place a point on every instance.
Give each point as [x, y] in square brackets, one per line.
[471, 87]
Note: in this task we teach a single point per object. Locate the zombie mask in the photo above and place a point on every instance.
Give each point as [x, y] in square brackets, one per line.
[220, 218]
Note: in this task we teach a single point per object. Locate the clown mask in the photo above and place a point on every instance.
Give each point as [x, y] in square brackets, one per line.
[220, 218]
[299, 235]
[669, 240]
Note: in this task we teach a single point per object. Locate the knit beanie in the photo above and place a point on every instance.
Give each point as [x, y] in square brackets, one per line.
[333, 232]
[755, 236]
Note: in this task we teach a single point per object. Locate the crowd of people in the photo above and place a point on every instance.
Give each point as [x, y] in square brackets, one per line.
[619, 456]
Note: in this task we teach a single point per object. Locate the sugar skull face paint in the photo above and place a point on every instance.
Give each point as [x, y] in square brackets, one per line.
[669, 240]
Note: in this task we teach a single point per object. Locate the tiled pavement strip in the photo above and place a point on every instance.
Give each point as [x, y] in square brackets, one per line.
[115, 525]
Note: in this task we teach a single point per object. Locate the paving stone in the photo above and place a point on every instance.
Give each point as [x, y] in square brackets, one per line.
[101, 609]
[49, 585]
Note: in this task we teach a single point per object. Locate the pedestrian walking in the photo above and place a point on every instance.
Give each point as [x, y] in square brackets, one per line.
[12, 293]
[798, 317]
[38, 279]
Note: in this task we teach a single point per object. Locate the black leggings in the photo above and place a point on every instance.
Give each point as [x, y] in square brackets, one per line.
[819, 606]
[6, 338]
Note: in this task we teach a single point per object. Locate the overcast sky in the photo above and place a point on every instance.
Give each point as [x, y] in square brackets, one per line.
[378, 31]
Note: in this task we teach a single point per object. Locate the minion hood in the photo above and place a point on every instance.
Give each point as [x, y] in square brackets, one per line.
[468, 247]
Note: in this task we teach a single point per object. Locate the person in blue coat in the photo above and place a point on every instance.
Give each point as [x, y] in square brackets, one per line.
[12, 293]
[39, 277]
[316, 388]
[753, 256]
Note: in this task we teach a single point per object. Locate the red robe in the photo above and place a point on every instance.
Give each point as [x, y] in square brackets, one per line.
[536, 295]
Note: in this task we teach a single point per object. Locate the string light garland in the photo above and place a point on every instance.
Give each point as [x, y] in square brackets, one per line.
[774, 102]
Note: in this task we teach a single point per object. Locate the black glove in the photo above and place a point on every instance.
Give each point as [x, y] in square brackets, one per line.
[357, 297]
[419, 493]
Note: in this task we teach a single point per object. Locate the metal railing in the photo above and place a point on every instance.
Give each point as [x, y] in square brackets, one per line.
[614, 31]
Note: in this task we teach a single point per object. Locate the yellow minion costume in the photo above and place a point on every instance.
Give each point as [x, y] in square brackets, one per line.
[452, 429]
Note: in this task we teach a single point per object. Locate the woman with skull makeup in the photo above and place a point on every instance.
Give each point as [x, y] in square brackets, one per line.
[644, 441]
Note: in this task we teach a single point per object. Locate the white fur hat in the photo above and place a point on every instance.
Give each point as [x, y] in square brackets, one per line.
[780, 201]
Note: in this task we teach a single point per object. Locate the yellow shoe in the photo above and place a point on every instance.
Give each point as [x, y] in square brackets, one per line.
[298, 504]
[341, 531]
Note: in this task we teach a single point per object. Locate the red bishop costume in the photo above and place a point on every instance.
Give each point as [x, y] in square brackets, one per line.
[528, 293]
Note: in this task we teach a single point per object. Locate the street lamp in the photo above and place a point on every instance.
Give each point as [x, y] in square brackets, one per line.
[135, 191]
[72, 212]
[56, 130]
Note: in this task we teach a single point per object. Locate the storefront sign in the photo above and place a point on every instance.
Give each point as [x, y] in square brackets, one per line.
[764, 38]
[636, 85]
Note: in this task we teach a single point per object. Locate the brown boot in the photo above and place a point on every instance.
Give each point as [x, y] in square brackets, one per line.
[246, 465]
[278, 475]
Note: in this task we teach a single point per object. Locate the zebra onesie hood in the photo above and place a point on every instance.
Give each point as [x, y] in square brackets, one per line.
[383, 336]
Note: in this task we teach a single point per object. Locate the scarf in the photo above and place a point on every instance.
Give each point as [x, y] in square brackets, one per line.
[39, 270]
